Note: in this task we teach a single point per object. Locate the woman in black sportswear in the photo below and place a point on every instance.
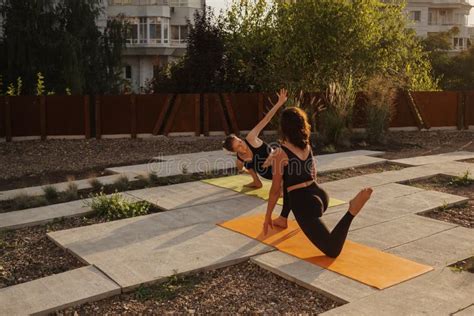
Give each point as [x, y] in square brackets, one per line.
[252, 152]
[293, 164]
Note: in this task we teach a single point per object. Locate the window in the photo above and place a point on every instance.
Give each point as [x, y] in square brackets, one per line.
[165, 30]
[179, 34]
[155, 30]
[143, 35]
[415, 16]
[128, 72]
[459, 42]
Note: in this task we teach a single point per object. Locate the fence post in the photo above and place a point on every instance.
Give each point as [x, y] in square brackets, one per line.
[197, 114]
[87, 117]
[133, 116]
[42, 101]
[231, 114]
[174, 110]
[460, 109]
[8, 119]
[98, 127]
[161, 117]
[206, 115]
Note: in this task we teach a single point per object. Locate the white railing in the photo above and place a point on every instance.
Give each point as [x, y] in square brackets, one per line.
[185, 3]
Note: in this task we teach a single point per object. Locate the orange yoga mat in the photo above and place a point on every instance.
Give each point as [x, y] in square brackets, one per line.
[361, 263]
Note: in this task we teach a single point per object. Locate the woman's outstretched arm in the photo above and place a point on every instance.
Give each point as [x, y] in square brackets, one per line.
[253, 135]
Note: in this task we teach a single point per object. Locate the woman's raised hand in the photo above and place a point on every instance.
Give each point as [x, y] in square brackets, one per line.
[282, 96]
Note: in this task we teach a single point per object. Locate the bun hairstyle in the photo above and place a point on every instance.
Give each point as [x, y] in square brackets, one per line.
[294, 127]
[228, 142]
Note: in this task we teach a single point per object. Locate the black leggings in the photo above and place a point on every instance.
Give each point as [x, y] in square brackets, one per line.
[308, 205]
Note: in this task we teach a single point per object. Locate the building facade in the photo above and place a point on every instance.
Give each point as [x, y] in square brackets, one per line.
[429, 17]
[157, 36]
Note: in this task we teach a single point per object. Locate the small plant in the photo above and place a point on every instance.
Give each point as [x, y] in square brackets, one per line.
[19, 85]
[167, 290]
[336, 120]
[40, 86]
[142, 181]
[329, 149]
[50, 193]
[115, 206]
[153, 178]
[380, 95]
[22, 201]
[96, 185]
[68, 91]
[122, 184]
[11, 90]
[464, 180]
[71, 192]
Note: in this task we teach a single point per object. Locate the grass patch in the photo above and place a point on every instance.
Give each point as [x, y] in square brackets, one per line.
[463, 265]
[96, 185]
[167, 290]
[51, 194]
[463, 180]
[116, 206]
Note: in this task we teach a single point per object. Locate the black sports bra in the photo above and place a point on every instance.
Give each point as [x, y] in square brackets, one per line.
[297, 170]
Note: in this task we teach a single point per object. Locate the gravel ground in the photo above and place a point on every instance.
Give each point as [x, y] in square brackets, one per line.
[27, 254]
[244, 289]
[462, 215]
[28, 163]
[464, 265]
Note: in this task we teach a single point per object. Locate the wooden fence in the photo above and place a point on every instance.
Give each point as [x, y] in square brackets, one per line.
[199, 114]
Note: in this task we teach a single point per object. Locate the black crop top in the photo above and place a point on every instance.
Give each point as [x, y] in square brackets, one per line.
[297, 171]
[260, 155]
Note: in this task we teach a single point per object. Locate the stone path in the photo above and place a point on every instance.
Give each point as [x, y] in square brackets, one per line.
[440, 158]
[151, 248]
[81, 184]
[56, 292]
[46, 214]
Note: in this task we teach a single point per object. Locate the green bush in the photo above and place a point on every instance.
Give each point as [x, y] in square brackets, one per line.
[380, 94]
[71, 192]
[336, 119]
[96, 185]
[115, 206]
[50, 193]
[464, 180]
[122, 184]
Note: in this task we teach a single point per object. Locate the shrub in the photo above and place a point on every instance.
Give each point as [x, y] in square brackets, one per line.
[380, 94]
[71, 192]
[153, 178]
[463, 180]
[336, 119]
[22, 201]
[96, 185]
[115, 206]
[122, 183]
[50, 193]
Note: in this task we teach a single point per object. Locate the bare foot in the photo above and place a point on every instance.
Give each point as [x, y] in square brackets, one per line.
[358, 202]
[281, 222]
[256, 185]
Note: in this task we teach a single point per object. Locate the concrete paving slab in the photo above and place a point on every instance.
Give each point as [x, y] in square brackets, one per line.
[56, 292]
[380, 210]
[183, 195]
[411, 173]
[330, 164]
[121, 233]
[466, 311]
[62, 186]
[439, 292]
[399, 231]
[48, 213]
[454, 168]
[439, 250]
[422, 201]
[182, 250]
[440, 158]
[310, 276]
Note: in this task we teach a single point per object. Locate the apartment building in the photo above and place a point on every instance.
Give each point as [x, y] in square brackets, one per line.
[428, 17]
[157, 36]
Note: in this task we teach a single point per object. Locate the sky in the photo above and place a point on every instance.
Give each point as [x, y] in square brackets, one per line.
[218, 4]
[222, 4]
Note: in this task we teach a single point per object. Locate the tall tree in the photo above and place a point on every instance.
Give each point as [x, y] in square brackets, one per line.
[61, 40]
